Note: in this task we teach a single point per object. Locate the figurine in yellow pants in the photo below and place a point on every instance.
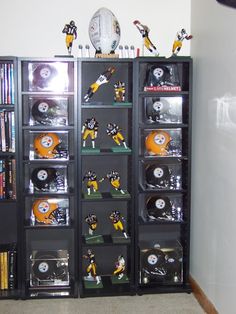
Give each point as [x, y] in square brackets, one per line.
[120, 267]
[71, 33]
[144, 31]
[116, 220]
[102, 79]
[90, 128]
[113, 131]
[177, 45]
[92, 267]
[114, 179]
[92, 181]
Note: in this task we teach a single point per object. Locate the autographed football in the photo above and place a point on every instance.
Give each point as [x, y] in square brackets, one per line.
[104, 31]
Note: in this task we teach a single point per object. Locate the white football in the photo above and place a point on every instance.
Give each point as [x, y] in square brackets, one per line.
[104, 31]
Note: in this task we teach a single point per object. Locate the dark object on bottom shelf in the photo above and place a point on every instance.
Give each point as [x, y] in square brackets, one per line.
[49, 268]
[161, 264]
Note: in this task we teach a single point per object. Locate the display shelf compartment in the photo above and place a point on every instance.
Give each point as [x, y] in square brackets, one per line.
[107, 240]
[108, 289]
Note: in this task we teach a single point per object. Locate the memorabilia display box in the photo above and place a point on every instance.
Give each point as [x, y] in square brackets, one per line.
[95, 180]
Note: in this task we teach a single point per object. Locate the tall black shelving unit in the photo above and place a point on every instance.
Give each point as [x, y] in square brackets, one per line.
[154, 166]
[9, 225]
[163, 160]
[48, 186]
[107, 244]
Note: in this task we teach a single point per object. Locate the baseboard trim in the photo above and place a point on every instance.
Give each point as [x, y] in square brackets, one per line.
[202, 299]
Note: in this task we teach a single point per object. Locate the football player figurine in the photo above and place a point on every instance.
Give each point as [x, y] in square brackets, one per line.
[71, 33]
[92, 221]
[90, 128]
[177, 45]
[92, 181]
[114, 179]
[144, 31]
[102, 79]
[120, 267]
[92, 267]
[113, 131]
[116, 219]
[119, 91]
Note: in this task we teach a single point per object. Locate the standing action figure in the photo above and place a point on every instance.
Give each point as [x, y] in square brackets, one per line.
[120, 267]
[180, 36]
[90, 128]
[114, 179]
[71, 33]
[92, 267]
[102, 79]
[116, 218]
[92, 181]
[144, 30]
[119, 92]
[113, 130]
[92, 221]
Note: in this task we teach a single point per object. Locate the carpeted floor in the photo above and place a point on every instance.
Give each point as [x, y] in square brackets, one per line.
[182, 303]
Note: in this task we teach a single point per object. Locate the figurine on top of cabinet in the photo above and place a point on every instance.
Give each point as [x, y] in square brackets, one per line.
[92, 267]
[92, 222]
[92, 181]
[119, 267]
[71, 34]
[113, 131]
[102, 79]
[116, 219]
[177, 45]
[119, 91]
[114, 179]
[90, 128]
[144, 31]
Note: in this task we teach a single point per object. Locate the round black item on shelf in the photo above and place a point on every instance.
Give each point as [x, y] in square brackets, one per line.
[45, 265]
[159, 207]
[152, 259]
[43, 75]
[44, 111]
[157, 175]
[43, 177]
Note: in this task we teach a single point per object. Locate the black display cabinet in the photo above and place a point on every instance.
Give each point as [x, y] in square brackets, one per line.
[48, 185]
[106, 177]
[96, 188]
[163, 99]
[9, 230]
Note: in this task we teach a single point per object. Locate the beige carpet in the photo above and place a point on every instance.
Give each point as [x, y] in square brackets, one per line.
[147, 304]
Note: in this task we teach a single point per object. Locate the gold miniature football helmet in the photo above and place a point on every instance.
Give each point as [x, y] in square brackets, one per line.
[45, 145]
[157, 142]
[44, 211]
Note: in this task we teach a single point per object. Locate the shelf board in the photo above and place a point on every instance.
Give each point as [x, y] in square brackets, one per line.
[51, 227]
[159, 222]
[7, 154]
[156, 126]
[106, 240]
[106, 196]
[9, 294]
[10, 106]
[48, 128]
[47, 93]
[101, 105]
[172, 158]
[53, 161]
[156, 190]
[160, 288]
[106, 151]
[162, 94]
[27, 192]
[106, 289]
[8, 201]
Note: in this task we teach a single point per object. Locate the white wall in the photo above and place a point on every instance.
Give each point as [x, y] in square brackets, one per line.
[34, 28]
[214, 150]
